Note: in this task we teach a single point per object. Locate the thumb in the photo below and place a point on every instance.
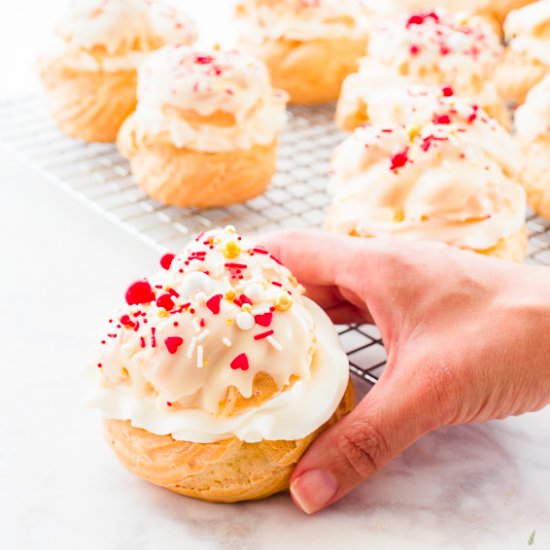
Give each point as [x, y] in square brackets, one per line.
[385, 423]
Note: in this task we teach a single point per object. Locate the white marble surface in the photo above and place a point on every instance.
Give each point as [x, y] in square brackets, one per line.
[63, 267]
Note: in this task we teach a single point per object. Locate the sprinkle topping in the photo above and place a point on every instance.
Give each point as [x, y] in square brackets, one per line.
[139, 292]
[173, 343]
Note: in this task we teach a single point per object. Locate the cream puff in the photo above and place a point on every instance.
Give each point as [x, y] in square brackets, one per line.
[218, 372]
[527, 59]
[206, 127]
[309, 46]
[89, 72]
[493, 10]
[446, 181]
[434, 48]
[533, 133]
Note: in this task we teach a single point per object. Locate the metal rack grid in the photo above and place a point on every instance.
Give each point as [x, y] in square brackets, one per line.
[98, 176]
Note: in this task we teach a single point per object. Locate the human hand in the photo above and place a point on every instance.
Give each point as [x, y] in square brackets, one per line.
[467, 339]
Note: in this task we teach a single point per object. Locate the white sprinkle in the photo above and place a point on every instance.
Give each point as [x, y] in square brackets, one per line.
[196, 324]
[274, 343]
[200, 355]
[227, 342]
[260, 311]
[203, 335]
[245, 321]
[191, 349]
[255, 292]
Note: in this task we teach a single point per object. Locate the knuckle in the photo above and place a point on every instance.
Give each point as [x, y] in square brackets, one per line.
[363, 448]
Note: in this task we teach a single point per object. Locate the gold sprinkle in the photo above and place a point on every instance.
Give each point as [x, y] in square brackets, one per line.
[205, 362]
[163, 313]
[424, 218]
[231, 250]
[229, 321]
[414, 132]
[399, 216]
[230, 295]
[247, 308]
[217, 240]
[125, 372]
[283, 302]
[230, 229]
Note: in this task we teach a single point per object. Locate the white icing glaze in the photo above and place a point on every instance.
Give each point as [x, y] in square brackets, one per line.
[533, 118]
[438, 48]
[293, 414]
[528, 30]
[114, 35]
[453, 183]
[176, 80]
[388, 97]
[170, 373]
[303, 20]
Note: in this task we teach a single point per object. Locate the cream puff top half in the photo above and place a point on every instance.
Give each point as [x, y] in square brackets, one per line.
[528, 31]
[221, 312]
[533, 117]
[210, 101]
[115, 34]
[303, 20]
[425, 45]
[446, 180]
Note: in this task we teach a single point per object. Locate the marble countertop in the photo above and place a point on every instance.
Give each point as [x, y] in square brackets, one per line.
[485, 486]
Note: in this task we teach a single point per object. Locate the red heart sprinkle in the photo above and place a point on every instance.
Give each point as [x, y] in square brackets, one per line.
[442, 119]
[399, 160]
[448, 91]
[264, 319]
[139, 292]
[173, 343]
[166, 261]
[126, 321]
[165, 301]
[213, 304]
[240, 362]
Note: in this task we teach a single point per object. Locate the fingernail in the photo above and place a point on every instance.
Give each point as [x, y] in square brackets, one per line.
[313, 490]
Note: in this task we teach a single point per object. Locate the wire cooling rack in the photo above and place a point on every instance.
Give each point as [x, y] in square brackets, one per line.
[98, 176]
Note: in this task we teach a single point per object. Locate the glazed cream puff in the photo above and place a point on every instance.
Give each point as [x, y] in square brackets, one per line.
[218, 372]
[309, 46]
[533, 133]
[434, 48]
[527, 59]
[89, 72]
[206, 127]
[450, 181]
[493, 10]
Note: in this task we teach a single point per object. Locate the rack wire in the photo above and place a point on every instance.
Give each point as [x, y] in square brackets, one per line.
[97, 175]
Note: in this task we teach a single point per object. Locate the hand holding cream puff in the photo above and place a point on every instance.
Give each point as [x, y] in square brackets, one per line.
[218, 372]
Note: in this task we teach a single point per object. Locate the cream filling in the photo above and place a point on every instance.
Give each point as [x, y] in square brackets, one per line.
[534, 47]
[260, 129]
[291, 415]
[82, 60]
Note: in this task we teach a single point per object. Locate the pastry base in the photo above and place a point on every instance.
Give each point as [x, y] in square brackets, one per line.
[188, 178]
[226, 471]
[536, 176]
[517, 74]
[90, 105]
[513, 248]
[311, 72]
